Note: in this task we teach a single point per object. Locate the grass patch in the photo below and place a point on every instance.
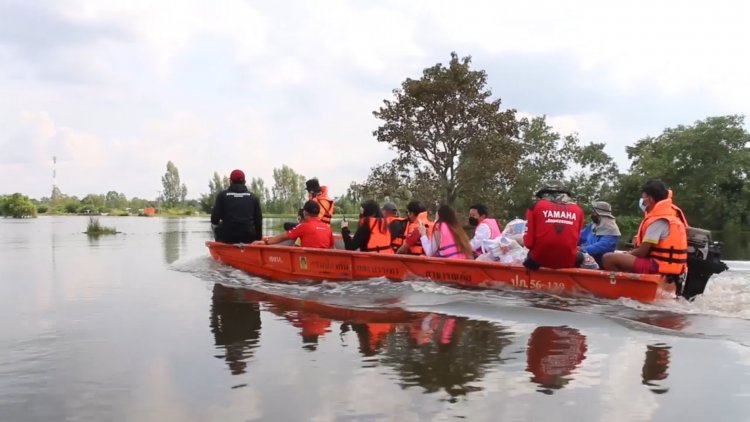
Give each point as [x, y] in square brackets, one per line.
[95, 228]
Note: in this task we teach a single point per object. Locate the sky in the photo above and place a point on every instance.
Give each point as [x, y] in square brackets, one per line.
[116, 89]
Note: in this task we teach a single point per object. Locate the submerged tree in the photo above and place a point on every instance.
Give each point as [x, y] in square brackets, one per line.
[17, 206]
[433, 120]
[174, 192]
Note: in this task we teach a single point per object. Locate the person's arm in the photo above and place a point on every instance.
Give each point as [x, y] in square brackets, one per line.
[258, 218]
[528, 237]
[584, 236]
[481, 234]
[602, 245]
[654, 232]
[218, 209]
[361, 237]
[273, 239]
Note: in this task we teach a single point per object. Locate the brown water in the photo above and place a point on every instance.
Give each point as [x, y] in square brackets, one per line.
[145, 326]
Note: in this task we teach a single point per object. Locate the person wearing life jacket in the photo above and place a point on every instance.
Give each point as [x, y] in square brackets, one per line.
[372, 234]
[661, 242]
[311, 233]
[602, 235]
[448, 238]
[486, 228]
[412, 243]
[319, 194]
[553, 226]
[396, 225]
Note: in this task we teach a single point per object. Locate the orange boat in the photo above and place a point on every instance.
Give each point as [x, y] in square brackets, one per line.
[295, 264]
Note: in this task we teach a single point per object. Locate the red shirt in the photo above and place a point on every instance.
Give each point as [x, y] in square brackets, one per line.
[552, 232]
[312, 233]
[413, 238]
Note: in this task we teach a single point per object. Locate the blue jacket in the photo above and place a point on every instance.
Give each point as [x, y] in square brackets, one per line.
[596, 246]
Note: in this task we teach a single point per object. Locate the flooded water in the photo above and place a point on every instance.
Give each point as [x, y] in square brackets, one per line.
[145, 326]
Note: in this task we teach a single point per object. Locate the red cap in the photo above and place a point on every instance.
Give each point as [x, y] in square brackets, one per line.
[237, 176]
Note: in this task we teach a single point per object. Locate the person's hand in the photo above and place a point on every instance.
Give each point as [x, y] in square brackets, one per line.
[259, 242]
[422, 228]
[344, 224]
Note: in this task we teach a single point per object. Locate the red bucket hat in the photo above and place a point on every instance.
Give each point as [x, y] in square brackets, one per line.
[237, 176]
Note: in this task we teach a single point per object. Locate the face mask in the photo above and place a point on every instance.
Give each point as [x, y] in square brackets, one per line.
[596, 219]
[642, 205]
[473, 221]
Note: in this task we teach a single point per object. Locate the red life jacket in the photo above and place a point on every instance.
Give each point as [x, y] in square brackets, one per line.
[553, 229]
[380, 237]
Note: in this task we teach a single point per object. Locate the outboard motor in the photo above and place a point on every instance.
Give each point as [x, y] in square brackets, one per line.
[704, 260]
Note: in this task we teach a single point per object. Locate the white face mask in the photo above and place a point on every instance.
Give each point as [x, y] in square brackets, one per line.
[641, 205]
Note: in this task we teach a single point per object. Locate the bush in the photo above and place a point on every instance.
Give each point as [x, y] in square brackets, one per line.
[94, 228]
[17, 206]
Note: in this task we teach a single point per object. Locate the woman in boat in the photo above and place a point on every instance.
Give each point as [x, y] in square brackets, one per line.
[448, 238]
[372, 234]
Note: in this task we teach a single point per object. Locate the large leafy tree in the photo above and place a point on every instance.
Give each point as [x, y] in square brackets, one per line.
[17, 206]
[706, 164]
[258, 187]
[174, 192]
[433, 120]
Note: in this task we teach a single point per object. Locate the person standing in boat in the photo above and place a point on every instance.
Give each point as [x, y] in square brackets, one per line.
[661, 242]
[448, 239]
[602, 235]
[553, 227]
[319, 194]
[372, 234]
[412, 244]
[312, 233]
[396, 225]
[486, 228]
[236, 216]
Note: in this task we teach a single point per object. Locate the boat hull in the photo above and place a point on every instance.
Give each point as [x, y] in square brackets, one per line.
[295, 264]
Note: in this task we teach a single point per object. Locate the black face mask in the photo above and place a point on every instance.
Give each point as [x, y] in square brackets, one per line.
[473, 221]
[596, 219]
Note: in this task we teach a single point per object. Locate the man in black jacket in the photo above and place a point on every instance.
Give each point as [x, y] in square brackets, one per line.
[236, 217]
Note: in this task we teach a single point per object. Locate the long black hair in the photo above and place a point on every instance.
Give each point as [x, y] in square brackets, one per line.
[371, 209]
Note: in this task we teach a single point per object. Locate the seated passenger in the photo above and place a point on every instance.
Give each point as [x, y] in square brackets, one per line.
[661, 242]
[448, 238]
[319, 194]
[412, 244]
[396, 225]
[312, 233]
[553, 226]
[486, 227]
[602, 234]
[372, 234]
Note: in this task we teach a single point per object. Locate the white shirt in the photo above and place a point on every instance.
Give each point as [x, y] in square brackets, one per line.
[481, 233]
[429, 245]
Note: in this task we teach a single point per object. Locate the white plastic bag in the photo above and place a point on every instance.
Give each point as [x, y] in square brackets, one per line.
[504, 249]
[589, 262]
[515, 227]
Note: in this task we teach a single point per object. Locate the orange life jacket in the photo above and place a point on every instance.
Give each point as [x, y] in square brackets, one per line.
[414, 225]
[380, 237]
[397, 237]
[670, 253]
[326, 205]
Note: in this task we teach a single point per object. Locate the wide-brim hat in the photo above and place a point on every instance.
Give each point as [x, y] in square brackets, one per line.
[602, 209]
[553, 186]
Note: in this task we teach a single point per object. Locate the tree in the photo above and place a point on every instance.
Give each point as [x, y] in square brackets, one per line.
[174, 192]
[215, 185]
[115, 200]
[706, 164]
[433, 120]
[17, 206]
[258, 187]
[288, 190]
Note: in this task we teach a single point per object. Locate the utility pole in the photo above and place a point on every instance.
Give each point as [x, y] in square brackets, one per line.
[55, 190]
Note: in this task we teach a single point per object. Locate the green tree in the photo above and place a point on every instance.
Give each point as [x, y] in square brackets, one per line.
[215, 185]
[706, 164]
[174, 192]
[258, 187]
[434, 119]
[288, 191]
[115, 200]
[17, 206]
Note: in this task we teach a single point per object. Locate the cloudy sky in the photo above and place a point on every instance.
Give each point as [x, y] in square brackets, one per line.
[115, 89]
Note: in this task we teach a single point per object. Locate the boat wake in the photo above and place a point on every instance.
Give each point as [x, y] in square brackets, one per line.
[723, 308]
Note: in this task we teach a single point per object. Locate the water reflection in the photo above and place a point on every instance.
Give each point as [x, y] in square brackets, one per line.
[236, 327]
[655, 367]
[174, 238]
[553, 354]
